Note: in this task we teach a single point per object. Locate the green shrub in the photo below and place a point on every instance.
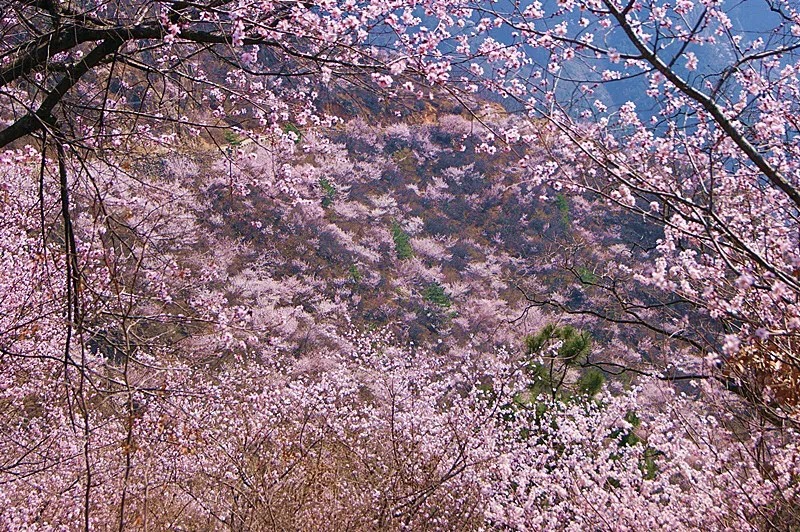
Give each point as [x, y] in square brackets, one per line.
[586, 275]
[328, 192]
[405, 160]
[575, 346]
[572, 356]
[563, 208]
[232, 138]
[355, 275]
[435, 294]
[402, 242]
[291, 128]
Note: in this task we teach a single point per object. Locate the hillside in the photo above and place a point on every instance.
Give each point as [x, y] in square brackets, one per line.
[337, 265]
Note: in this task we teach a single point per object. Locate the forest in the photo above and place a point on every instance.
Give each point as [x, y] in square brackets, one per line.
[399, 265]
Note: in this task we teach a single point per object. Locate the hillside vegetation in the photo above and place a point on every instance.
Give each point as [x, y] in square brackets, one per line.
[368, 265]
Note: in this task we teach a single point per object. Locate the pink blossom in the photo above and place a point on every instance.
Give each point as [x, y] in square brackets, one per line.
[691, 61]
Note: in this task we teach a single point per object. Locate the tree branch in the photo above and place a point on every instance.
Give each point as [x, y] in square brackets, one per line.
[708, 104]
[38, 119]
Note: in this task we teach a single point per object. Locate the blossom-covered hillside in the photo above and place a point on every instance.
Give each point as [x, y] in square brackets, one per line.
[405, 265]
[338, 328]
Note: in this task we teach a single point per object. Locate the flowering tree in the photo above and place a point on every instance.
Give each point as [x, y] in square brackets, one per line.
[707, 149]
[93, 71]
